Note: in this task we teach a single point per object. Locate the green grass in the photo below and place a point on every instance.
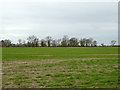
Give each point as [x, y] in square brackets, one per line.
[56, 53]
[60, 67]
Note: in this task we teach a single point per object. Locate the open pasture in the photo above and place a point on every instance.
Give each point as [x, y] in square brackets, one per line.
[60, 67]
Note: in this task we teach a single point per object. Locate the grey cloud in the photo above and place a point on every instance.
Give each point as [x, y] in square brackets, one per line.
[57, 19]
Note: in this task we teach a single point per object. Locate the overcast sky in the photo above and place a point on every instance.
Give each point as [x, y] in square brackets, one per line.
[98, 20]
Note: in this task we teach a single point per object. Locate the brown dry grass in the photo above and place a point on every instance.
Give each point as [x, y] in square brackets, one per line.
[16, 68]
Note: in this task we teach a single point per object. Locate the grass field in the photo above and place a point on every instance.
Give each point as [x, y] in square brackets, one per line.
[61, 67]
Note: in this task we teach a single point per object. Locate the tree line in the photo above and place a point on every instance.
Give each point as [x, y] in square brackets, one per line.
[33, 41]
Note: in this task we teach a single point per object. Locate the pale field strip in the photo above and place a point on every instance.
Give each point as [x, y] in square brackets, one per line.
[12, 64]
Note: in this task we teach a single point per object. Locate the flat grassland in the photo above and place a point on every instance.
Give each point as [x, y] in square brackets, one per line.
[60, 67]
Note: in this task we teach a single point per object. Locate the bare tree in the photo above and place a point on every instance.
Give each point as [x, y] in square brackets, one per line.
[73, 42]
[20, 42]
[2, 43]
[24, 43]
[94, 43]
[82, 42]
[87, 42]
[90, 41]
[48, 40]
[54, 43]
[32, 41]
[36, 42]
[43, 43]
[113, 42]
[65, 41]
[6, 43]
[59, 42]
[102, 44]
